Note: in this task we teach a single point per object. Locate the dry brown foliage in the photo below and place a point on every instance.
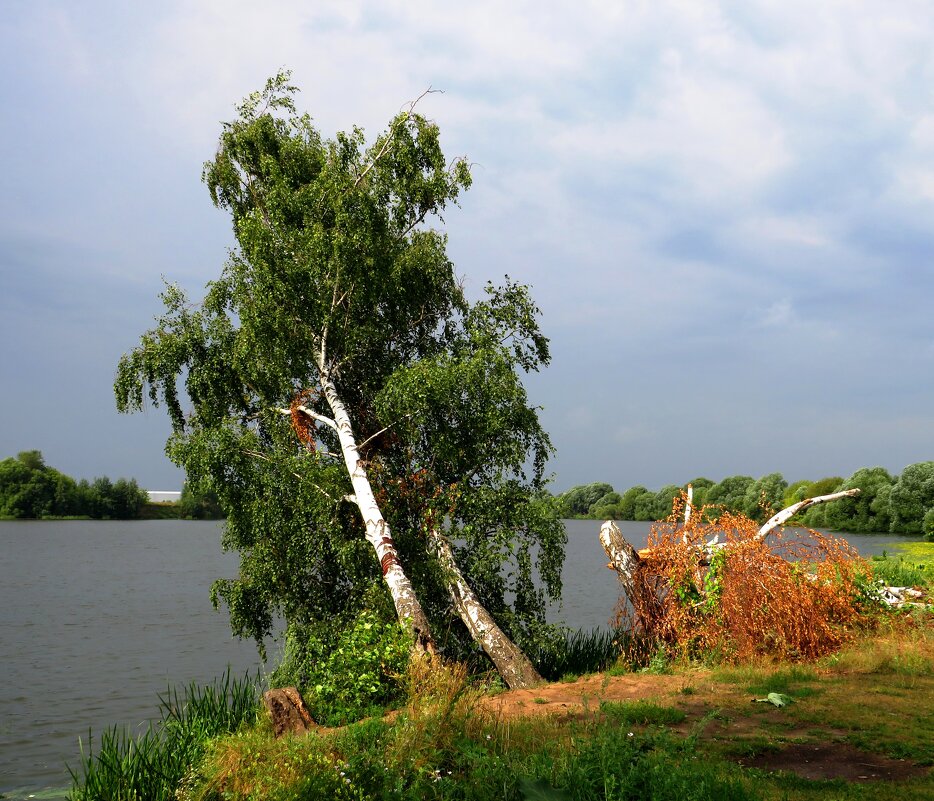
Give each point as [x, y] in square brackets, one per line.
[788, 597]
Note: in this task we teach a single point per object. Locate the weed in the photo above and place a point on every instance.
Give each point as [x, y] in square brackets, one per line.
[641, 712]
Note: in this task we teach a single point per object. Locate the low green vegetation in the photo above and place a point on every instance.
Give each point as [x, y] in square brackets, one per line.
[691, 734]
[152, 765]
[902, 504]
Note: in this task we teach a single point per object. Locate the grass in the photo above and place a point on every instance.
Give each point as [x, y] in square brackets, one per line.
[640, 713]
[899, 572]
[686, 743]
[440, 748]
[581, 652]
[152, 764]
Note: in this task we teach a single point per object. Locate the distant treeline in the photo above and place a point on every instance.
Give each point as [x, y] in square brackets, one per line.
[29, 488]
[902, 504]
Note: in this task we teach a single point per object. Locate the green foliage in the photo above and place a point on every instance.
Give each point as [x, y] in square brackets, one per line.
[337, 278]
[911, 498]
[627, 504]
[902, 504]
[731, 493]
[764, 497]
[150, 765]
[928, 525]
[199, 505]
[346, 672]
[577, 501]
[31, 489]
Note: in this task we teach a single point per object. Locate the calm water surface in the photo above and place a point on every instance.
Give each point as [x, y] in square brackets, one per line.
[98, 618]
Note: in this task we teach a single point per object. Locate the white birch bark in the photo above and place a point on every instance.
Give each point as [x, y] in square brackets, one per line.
[688, 503]
[512, 664]
[408, 608]
[786, 514]
[623, 557]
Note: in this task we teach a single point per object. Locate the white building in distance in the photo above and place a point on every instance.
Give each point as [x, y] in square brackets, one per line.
[162, 496]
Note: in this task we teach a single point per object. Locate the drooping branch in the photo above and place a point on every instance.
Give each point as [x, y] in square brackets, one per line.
[786, 514]
[513, 665]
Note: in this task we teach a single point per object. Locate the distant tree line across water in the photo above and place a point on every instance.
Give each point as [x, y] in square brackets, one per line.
[31, 489]
[902, 504]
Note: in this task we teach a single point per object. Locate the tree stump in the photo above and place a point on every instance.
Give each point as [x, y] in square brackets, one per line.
[288, 711]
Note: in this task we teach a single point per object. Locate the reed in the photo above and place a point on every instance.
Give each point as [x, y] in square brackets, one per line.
[150, 765]
[581, 652]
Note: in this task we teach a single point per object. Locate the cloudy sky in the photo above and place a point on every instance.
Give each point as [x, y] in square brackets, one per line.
[726, 210]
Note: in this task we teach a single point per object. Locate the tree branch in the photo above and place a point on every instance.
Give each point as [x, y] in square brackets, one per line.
[385, 148]
[312, 414]
[786, 514]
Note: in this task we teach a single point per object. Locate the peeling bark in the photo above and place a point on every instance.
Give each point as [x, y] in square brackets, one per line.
[408, 608]
[789, 512]
[624, 559]
[513, 665]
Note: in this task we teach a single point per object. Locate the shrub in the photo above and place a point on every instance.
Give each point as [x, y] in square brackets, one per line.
[346, 673]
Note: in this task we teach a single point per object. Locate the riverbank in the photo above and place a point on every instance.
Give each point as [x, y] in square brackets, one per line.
[854, 725]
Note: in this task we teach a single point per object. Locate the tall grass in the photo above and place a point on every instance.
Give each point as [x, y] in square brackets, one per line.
[442, 745]
[896, 572]
[581, 652]
[150, 765]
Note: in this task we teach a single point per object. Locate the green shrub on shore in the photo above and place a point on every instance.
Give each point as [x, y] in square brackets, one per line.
[346, 672]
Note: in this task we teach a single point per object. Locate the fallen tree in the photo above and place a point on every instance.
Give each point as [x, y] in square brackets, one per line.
[342, 388]
[738, 589]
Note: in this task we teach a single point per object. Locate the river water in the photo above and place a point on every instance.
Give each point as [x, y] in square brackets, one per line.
[98, 618]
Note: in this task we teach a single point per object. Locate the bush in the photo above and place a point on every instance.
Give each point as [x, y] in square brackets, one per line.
[346, 673]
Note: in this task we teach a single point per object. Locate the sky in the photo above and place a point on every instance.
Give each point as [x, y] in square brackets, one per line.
[725, 210]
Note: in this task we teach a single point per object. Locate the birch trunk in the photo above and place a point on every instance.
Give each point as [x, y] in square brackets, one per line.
[789, 512]
[512, 664]
[623, 558]
[408, 608]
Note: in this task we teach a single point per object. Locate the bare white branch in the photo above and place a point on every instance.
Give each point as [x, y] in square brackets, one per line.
[312, 414]
[786, 514]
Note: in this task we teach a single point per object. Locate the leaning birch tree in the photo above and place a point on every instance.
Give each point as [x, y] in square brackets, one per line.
[362, 424]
